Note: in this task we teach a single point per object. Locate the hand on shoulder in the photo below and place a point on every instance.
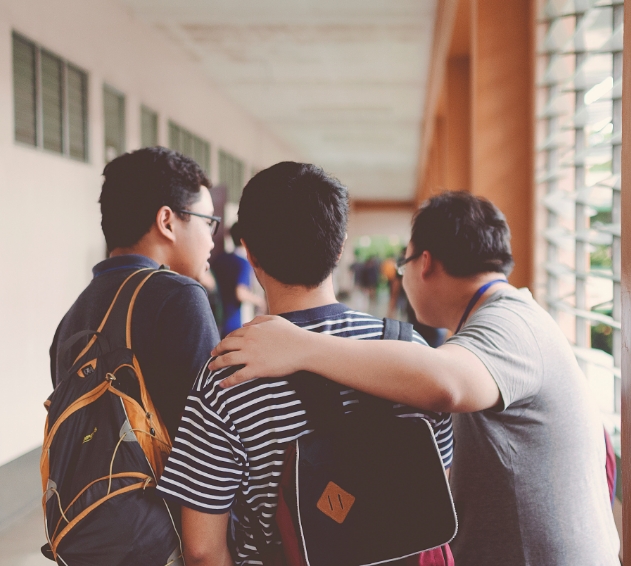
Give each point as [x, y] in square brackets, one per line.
[268, 346]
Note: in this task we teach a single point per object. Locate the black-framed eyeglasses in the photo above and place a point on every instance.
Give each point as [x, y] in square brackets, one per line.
[403, 260]
[214, 220]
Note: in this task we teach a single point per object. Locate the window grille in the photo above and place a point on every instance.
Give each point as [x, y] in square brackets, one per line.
[50, 100]
[579, 79]
[114, 118]
[148, 127]
[231, 174]
[77, 92]
[190, 145]
[25, 91]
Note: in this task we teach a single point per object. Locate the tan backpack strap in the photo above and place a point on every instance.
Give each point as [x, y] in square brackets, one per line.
[132, 302]
[107, 314]
[88, 510]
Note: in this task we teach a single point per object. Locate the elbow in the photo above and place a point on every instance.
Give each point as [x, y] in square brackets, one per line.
[197, 556]
[447, 399]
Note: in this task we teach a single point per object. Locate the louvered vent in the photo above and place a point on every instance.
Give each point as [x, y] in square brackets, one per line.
[231, 174]
[190, 145]
[114, 118]
[148, 127]
[579, 137]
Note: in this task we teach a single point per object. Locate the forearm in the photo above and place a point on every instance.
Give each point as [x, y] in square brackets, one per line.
[399, 371]
[446, 379]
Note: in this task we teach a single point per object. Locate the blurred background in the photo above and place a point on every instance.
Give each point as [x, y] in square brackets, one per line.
[519, 101]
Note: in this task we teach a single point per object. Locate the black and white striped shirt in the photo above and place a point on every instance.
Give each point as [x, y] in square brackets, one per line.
[229, 450]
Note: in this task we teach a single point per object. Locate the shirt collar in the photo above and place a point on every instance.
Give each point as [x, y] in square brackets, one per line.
[129, 261]
[316, 313]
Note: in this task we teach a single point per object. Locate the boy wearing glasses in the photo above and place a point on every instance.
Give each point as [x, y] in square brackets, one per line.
[156, 210]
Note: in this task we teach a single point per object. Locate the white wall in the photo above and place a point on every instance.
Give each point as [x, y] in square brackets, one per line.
[50, 231]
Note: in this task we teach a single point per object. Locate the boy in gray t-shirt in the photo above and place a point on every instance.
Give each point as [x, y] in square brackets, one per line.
[532, 468]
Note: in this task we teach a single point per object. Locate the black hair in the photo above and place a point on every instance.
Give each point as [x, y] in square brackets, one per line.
[235, 234]
[467, 234]
[293, 217]
[138, 184]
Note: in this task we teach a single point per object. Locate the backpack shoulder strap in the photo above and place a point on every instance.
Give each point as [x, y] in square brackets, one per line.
[397, 330]
[115, 328]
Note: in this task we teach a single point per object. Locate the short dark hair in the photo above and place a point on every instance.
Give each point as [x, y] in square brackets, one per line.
[293, 217]
[235, 234]
[138, 184]
[467, 234]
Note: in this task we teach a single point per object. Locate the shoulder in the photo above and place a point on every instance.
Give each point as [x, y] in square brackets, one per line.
[242, 397]
[179, 308]
[168, 281]
[345, 322]
[169, 287]
[253, 412]
[510, 312]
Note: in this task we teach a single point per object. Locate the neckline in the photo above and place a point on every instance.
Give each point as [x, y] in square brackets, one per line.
[127, 261]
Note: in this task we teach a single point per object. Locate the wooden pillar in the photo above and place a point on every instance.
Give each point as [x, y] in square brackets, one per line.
[440, 146]
[502, 132]
[626, 289]
[458, 116]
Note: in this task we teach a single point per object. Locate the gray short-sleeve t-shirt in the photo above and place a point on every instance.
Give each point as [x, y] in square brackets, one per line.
[528, 477]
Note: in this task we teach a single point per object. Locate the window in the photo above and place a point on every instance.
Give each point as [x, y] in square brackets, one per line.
[231, 174]
[114, 118]
[148, 127]
[77, 89]
[50, 100]
[52, 103]
[579, 136]
[190, 145]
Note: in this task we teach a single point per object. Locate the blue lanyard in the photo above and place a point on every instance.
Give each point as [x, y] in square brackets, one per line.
[475, 299]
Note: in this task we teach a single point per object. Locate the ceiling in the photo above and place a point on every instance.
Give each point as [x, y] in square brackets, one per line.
[341, 81]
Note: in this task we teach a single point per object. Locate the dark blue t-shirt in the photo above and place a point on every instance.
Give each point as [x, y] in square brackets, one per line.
[230, 271]
[173, 330]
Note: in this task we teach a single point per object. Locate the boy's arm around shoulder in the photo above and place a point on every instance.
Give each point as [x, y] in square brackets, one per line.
[446, 379]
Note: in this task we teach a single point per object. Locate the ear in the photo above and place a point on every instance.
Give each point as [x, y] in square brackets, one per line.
[164, 223]
[428, 265]
[339, 257]
[253, 261]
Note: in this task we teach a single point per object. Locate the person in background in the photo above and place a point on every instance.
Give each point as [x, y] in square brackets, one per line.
[226, 462]
[528, 476]
[399, 303]
[233, 275]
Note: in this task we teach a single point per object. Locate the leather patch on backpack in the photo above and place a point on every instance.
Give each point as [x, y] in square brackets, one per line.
[87, 369]
[335, 502]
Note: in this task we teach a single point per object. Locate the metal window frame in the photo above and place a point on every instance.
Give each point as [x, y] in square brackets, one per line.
[39, 109]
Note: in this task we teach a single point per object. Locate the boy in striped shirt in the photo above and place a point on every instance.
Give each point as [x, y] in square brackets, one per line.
[226, 461]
